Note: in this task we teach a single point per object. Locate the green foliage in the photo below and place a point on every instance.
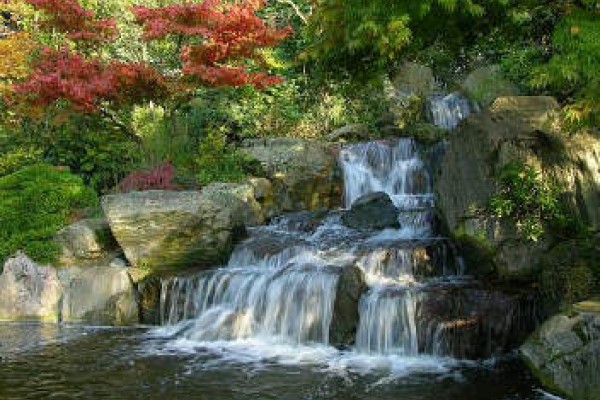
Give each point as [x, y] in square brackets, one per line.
[571, 270]
[219, 162]
[573, 69]
[525, 197]
[19, 157]
[92, 149]
[35, 202]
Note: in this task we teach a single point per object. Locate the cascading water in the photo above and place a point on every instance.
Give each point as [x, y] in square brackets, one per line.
[447, 111]
[282, 285]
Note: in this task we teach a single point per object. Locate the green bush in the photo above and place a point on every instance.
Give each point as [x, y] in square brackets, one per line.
[35, 202]
[19, 157]
[524, 196]
[219, 162]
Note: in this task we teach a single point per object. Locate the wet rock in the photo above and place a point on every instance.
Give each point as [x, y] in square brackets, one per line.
[28, 290]
[304, 173]
[166, 230]
[149, 290]
[564, 354]
[372, 211]
[86, 242]
[351, 285]
[485, 84]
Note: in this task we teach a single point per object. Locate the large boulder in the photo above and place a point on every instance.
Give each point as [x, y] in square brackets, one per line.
[100, 295]
[564, 354]
[413, 79]
[485, 84]
[28, 290]
[521, 129]
[304, 173]
[165, 230]
[344, 323]
[88, 241]
[372, 211]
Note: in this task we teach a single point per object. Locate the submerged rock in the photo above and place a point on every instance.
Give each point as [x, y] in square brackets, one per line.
[564, 354]
[304, 173]
[166, 230]
[372, 211]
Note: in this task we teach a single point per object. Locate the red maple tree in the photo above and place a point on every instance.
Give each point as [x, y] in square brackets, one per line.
[219, 42]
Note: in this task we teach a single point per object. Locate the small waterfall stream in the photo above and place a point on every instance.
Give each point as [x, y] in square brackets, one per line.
[446, 111]
[282, 285]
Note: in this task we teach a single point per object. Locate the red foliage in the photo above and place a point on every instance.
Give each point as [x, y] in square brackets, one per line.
[229, 33]
[159, 178]
[78, 23]
[85, 83]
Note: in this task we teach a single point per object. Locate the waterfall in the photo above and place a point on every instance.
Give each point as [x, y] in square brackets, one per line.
[447, 111]
[287, 283]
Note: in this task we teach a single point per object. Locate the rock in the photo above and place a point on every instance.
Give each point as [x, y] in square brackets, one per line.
[351, 285]
[304, 173]
[166, 230]
[101, 295]
[485, 84]
[414, 79]
[564, 354]
[86, 242]
[28, 290]
[350, 133]
[513, 129]
[372, 211]
[149, 290]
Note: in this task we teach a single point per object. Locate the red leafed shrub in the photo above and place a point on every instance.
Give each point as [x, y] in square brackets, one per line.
[159, 178]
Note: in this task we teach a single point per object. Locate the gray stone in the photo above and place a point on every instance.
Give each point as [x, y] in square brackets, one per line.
[564, 354]
[101, 295]
[372, 211]
[304, 173]
[414, 79]
[28, 290]
[166, 230]
[485, 84]
[521, 129]
[351, 285]
[350, 133]
[88, 241]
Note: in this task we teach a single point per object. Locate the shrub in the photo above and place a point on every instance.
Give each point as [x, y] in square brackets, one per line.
[218, 161]
[528, 199]
[35, 202]
[159, 178]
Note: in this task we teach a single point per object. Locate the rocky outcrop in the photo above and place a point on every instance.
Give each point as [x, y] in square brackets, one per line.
[372, 211]
[304, 173]
[100, 295]
[29, 291]
[350, 133]
[485, 84]
[351, 285]
[513, 129]
[564, 354]
[86, 242]
[414, 79]
[166, 230]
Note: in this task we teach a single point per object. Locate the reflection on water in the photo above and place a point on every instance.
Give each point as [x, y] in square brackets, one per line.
[75, 362]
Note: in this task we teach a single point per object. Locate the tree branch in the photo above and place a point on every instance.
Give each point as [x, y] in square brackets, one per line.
[297, 10]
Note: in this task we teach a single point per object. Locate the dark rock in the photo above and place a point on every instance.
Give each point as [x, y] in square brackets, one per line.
[351, 285]
[372, 211]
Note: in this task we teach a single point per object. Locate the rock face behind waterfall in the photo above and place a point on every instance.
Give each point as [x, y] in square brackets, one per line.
[513, 129]
[351, 286]
[304, 173]
[372, 211]
[565, 355]
[163, 230]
